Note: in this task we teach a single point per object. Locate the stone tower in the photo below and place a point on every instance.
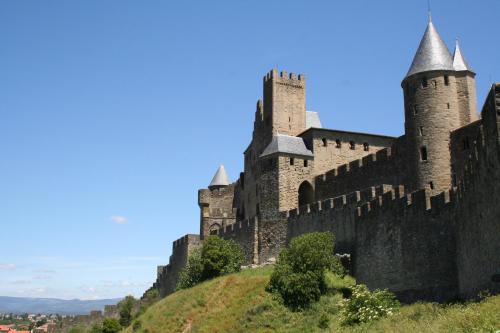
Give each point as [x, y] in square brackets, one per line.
[466, 87]
[216, 204]
[439, 98]
[283, 110]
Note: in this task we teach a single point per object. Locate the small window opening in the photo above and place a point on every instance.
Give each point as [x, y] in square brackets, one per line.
[448, 105]
[306, 163]
[415, 109]
[434, 82]
[290, 127]
[431, 185]
[338, 144]
[325, 142]
[423, 153]
[421, 130]
[466, 143]
[352, 145]
[446, 80]
[289, 119]
[366, 146]
[424, 82]
[292, 161]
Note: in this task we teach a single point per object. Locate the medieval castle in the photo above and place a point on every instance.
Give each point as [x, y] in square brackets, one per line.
[417, 213]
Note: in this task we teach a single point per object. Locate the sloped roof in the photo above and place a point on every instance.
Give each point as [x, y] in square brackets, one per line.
[432, 53]
[220, 177]
[459, 62]
[312, 120]
[286, 144]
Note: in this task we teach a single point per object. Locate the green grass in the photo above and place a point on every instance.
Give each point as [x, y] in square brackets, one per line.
[239, 303]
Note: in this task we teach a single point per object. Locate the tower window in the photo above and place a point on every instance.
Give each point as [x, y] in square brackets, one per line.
[423, 153]
[434, 82]
[306, 163]
[415, 109]
[325, 142]
[431, 185]
[446, 80]
[292, 160]
[352, 145]
[424, 82]
[366, 146]
[466, 143]
[448, 105]
[421, 130]
[338, 144]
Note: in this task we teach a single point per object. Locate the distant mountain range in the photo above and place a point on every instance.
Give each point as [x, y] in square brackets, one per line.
[52, 305]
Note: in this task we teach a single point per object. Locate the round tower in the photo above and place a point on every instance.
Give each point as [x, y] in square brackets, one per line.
[432, 111]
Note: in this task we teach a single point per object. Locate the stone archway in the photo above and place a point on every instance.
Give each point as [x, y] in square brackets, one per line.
[306, 193]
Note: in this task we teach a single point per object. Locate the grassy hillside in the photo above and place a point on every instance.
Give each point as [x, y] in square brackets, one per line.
[239, 303]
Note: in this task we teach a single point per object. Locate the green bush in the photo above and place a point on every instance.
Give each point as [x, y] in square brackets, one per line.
[126, 306]
[216, 257]
[111, 325]
[364, 305]
[191, 274]
[220, 257]
[299, 274]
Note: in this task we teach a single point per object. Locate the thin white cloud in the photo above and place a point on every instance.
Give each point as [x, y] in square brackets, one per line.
[118, 219]
[8, 267]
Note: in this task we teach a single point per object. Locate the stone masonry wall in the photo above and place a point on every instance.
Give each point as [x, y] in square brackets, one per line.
[336, 215]
[217, 208]
[332, 148]
[386, 166]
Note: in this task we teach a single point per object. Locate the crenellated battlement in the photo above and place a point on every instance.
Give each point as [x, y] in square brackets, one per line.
[344, 169]
[284, 76]
[185, 240]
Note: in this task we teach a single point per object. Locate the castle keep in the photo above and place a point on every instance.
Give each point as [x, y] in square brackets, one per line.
[417, 213]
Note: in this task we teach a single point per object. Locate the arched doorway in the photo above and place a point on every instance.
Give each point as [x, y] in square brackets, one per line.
[306, 193]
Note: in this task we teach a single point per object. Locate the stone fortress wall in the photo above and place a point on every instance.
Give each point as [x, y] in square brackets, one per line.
[416, 213]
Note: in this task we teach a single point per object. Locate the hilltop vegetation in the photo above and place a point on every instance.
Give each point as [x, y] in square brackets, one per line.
[239, 303]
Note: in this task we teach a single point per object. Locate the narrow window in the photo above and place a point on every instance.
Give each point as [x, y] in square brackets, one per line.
[466, 143]
[448, 105]
[257, 208]
[292, 160]
[421, 130]
[325, 142]
[352, 145]
[305, 163]
[446, 80]
[424, 82]
[434, 82]
[431, 185]
[415, 109]
[366, 146]
[423, 153]
[289, 119]
[338, 144]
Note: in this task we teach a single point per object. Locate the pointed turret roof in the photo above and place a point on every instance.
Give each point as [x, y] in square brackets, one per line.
[220, 178]
[459, 62]
[432, 53]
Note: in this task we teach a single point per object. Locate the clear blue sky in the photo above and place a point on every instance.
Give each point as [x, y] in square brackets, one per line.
[114, 113]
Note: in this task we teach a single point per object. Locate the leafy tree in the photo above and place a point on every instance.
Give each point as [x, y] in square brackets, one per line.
[96, 328]
[220, 256]
[216, 257]
[192, 273]
[111, 325]
[299, 275]
[126, 306]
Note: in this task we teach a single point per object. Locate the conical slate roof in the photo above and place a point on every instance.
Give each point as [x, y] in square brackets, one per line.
[459, 62]
[220, 178]
[432, 53]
